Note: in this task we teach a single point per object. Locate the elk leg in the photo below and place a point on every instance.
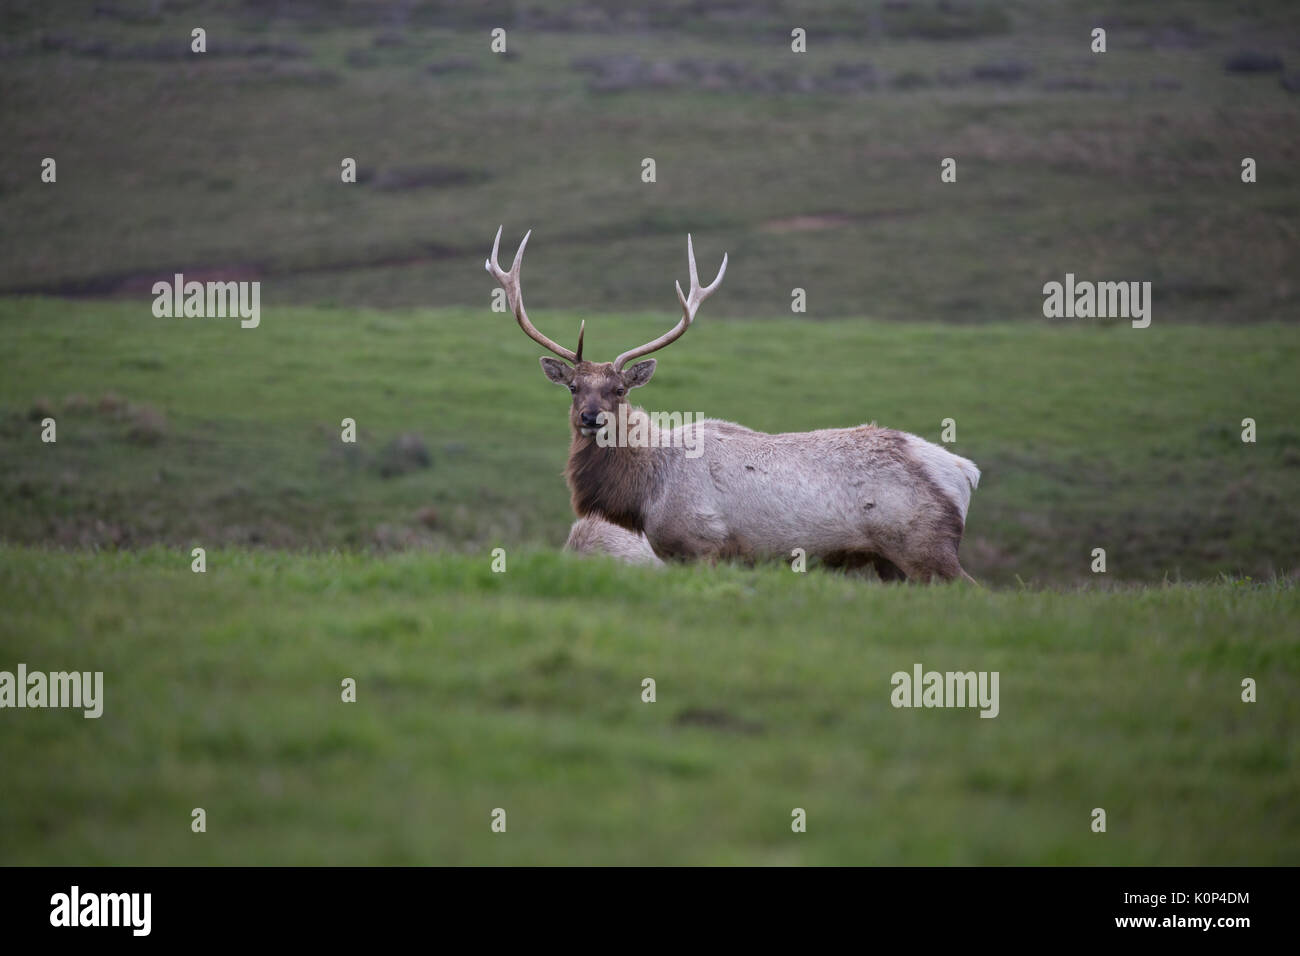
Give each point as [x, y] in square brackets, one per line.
[930, 566]
[886, 569]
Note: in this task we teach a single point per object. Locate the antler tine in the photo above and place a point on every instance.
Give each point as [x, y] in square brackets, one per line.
[690, 305]
[515, 295]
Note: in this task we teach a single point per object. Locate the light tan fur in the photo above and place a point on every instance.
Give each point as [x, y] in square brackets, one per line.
[593, 535]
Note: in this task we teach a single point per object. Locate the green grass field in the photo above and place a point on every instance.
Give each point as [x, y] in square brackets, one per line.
[522, 691]
[198, 433]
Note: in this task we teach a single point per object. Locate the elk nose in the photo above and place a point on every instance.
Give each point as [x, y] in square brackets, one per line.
[590, 419]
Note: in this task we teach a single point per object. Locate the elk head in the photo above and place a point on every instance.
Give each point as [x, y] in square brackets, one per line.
[598, 386]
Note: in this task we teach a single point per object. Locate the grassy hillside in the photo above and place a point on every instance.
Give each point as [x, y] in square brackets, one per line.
[817, 170]
[196, 432]
[522, 691]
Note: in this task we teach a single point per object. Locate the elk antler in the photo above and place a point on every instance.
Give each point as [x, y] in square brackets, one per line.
[690, 305]
[510, 282]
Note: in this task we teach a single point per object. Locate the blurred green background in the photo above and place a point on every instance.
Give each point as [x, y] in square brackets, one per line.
[816, 170]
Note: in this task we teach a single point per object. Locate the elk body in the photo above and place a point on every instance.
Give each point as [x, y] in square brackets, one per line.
[712, 489]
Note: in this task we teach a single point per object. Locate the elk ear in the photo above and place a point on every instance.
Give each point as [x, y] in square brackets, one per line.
[557, 371]
[639, 373]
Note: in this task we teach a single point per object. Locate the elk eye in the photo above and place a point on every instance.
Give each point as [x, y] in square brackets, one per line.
[619, 391]
[573, 390]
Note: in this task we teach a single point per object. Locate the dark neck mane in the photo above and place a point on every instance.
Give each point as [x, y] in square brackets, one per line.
[612, 483]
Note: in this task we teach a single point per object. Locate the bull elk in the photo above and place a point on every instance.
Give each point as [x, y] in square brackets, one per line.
[850, 496]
